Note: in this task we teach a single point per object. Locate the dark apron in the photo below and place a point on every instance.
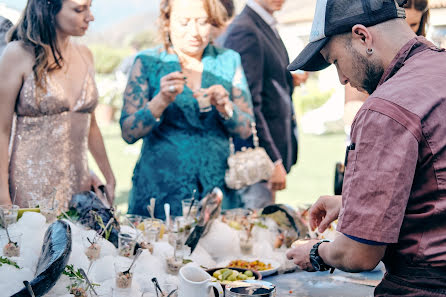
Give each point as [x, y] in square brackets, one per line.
[413, 281]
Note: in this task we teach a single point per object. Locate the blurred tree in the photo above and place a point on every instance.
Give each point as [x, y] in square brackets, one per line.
[108, 58]
[144, 39]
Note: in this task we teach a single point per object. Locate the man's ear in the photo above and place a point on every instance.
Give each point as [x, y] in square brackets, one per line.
[362, 34]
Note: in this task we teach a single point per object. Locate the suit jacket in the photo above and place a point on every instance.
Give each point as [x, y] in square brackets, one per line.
[265, 61]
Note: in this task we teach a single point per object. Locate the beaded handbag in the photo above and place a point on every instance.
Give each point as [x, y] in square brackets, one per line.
[249, 166]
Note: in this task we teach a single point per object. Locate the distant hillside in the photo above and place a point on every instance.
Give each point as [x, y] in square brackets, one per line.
[121, 32]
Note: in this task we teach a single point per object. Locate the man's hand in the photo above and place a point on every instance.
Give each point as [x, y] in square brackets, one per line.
[300, 254]
[299, 78]
[278, 179]
[324, 211]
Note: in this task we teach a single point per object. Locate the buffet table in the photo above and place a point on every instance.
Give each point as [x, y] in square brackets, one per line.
[221, 243]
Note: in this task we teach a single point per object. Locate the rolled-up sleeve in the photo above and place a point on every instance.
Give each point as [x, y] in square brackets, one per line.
[378, 177]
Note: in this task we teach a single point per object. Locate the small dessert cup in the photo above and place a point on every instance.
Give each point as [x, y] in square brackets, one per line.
[186, 205]
[11, 249]
[8, 214]
[49, 208]
[246, 243]
[78, 287]
[124, 278]
[126, 244]
[152, 229]
[92, 247]
[174, 264]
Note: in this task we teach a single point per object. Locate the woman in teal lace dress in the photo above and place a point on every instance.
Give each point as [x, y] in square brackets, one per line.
[185, 147]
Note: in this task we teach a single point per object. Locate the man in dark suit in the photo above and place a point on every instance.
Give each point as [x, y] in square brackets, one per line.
[254, 36]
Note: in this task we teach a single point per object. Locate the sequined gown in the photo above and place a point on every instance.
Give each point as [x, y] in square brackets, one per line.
[50, 142]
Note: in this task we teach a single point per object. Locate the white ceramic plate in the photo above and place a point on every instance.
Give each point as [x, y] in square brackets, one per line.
[274, 264]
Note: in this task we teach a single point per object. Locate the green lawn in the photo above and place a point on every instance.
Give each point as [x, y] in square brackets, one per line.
[309, 179]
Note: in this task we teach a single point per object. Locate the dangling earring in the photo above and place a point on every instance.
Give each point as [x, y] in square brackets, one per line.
[168, 38]
[369, 51]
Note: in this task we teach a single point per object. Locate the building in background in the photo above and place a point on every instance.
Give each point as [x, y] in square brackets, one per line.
[437, 30]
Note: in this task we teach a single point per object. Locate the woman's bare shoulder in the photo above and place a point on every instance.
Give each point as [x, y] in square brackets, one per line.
[86, 52]
[18, 56]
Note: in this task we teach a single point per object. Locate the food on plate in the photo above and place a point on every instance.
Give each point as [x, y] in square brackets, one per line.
[124, 280]
[254, 265]
[226, 275]
[11, 249]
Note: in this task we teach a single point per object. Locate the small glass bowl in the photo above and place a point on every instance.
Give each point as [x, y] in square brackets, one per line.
[11, 249]
[126, 244]
[92, 247]
[123, 279]
[78, 287]
[186, 205]
[152, 229]
[8, 214]
[49, 208]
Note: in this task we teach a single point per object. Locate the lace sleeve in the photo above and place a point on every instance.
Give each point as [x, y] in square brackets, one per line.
[240, 122]
[136, 118]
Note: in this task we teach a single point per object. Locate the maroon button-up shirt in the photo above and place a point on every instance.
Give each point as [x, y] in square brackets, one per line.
[395, 181]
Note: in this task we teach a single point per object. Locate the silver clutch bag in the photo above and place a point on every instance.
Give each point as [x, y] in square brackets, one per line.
[249, 166]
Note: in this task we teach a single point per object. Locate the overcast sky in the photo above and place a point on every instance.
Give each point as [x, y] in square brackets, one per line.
[106, 11]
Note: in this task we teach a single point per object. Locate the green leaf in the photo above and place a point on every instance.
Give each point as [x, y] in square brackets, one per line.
[187, 261]
[72, 214]
[7, 261]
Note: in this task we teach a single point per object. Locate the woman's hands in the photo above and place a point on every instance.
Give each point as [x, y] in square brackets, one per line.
[171, 85]
[218, 97]
[100, 188]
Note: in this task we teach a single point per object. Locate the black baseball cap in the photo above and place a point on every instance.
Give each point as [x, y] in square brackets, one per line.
[333, 17]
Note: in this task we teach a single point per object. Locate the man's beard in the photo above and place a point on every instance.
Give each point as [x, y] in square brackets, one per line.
[372, 73]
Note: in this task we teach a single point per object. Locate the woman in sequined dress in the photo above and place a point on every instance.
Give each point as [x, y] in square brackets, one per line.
[185, 147]
[48, 82]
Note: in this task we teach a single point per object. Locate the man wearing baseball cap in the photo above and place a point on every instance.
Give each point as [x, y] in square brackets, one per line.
[393, 206]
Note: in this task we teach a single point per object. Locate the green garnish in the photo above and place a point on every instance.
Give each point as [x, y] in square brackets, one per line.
[6, 261]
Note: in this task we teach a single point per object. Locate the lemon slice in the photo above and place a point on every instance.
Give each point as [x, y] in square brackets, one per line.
[22, 210]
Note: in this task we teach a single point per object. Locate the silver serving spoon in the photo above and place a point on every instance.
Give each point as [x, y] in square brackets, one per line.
[191, 203]
[29, 288]
[167, 213]
[138, 252]
[6, 227]
[152, 207]
[87, 280]
[157, 287]
[171, 293]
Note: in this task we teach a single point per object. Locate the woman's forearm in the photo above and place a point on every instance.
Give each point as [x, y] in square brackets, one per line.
[4, 170]
[157, 106]
[139, 124]
[97, 149]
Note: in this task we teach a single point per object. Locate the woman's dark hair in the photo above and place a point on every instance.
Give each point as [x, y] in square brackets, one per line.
[229, 5]
[37, 30]
[423, 6]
